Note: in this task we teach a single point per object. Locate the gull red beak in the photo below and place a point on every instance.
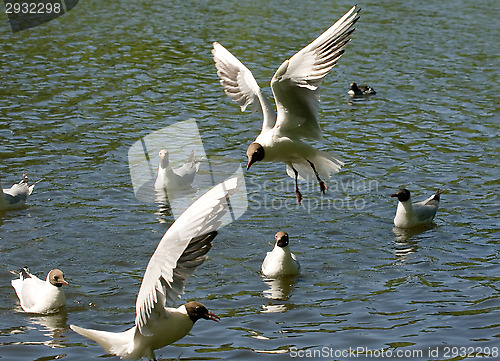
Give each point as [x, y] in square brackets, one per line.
[250, 162]
[213, 317]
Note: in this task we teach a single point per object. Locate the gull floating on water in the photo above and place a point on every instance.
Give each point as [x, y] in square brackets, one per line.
[295, 89]
[280, 261]
[410, 215]
[39, 296]
[170, 179]
[181, 250]
[356, 91]
[15, 197]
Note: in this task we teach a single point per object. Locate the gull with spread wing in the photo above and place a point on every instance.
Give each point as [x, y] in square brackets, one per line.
[181, 250]
[295, 89]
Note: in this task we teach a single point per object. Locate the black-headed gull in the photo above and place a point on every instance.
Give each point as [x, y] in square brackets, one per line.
[181, 250]
[361, 90]
[295, 89]
[37, 296]
[410, 215]
[169, 179]
[280, 261]
[15, 197]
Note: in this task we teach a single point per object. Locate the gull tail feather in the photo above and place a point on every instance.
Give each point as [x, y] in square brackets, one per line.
[115, 343]
[325, 163]
[438, 193]
[434, 199]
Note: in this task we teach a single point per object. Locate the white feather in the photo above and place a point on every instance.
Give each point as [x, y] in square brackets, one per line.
[280, 262]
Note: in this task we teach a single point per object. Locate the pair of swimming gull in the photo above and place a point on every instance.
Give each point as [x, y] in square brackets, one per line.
[185, 244]
[282, 262]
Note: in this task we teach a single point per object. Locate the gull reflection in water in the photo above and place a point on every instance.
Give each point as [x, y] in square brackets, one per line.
[164, 200]
[405, 246]
[53, 326]
[279, 290]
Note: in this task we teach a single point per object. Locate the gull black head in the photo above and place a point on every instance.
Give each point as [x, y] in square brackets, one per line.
[403, 195]
[255, 153]
[56, 278]
[281, 239]
[196, 310]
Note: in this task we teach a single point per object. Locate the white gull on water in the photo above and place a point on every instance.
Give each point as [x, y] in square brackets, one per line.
[169, 179]
[16, 196]
[410, 214]
[280, 261]
[37, 296]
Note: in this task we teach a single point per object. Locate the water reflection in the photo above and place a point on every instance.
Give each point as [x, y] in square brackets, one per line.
[405, 234]
[164, 198]
[403, 250]
[404, 245]
[352, 100]
[53, 326]
[164, 212]
[280, 289]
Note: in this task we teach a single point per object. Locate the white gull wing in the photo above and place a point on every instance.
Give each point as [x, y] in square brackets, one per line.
[424, 212]
[188, 170]
[28, 288]
[181, 250]
[295, 83]
[240, 85]
[17, 195]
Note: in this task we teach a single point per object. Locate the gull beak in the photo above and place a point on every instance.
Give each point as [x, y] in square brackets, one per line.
[250, 162]
[394, 195]
[213, 317]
